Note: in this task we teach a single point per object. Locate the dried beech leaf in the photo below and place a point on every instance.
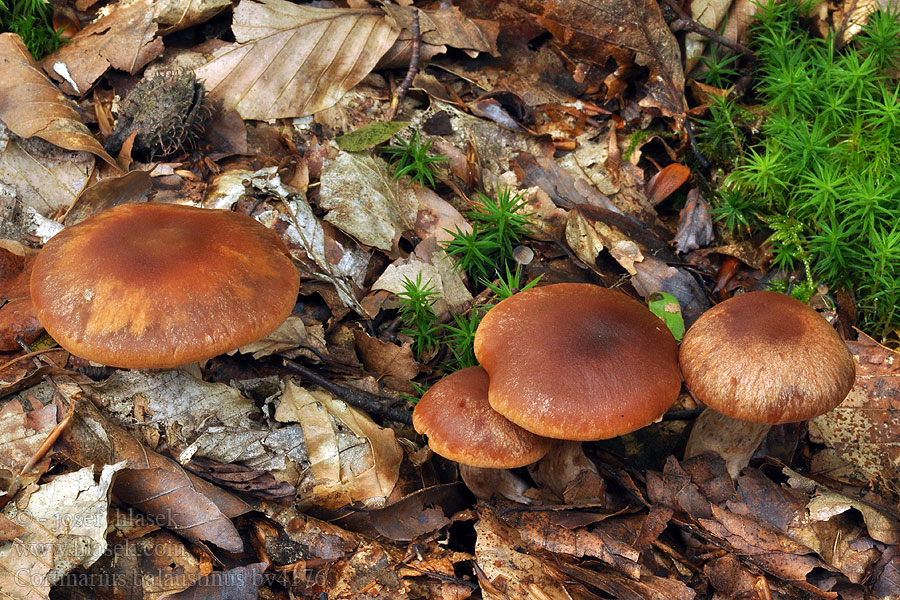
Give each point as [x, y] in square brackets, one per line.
[44, 178]
[175, 15]
[447, 27]
[395, 364]
[240, 583]
[419, 513]
[666, 181]
[22, 433]
[509, 573]
[326, 257]
[143, 562]
[30, 104]
[291, 60]
[185, 406]
[125, 38]
[765, 547]
[351, 459]
[695, 228]
[433, 264]
[365, 202]
[588, 235]
[17, 318]
[152, 483]
[65, 527]
[437, 218]
[865, 428]
[629, 31]
[112, 191]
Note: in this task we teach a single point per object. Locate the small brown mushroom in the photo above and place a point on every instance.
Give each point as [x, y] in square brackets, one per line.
[757, 360]
[461, 426]
[577, 361]
[159, 285]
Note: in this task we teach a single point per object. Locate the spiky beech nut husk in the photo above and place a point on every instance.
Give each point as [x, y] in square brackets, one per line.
[168, 110]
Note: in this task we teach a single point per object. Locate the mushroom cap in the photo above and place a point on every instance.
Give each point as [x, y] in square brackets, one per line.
[461, 425]
[576, 361]
[159, 285]
[767, 358]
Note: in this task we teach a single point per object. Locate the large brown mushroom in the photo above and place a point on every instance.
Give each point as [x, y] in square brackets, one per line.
[159, 285]
[757, 360]
[577, 361]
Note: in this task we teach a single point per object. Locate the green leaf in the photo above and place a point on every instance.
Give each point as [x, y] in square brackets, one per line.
[666, 307]
[369, 136]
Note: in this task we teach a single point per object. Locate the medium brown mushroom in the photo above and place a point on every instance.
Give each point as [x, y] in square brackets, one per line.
[577, 361]
[461, 426]
[159, 285]
[757, 360]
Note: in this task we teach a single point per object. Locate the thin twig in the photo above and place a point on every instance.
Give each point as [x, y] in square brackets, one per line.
[373, 404]
[413, 66]
[686, 23]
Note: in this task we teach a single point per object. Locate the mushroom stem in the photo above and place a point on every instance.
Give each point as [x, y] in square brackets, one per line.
[484, 483]
[732, 439]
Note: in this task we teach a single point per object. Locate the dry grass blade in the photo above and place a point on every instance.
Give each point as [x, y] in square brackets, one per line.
[291, 60]
[30, 104]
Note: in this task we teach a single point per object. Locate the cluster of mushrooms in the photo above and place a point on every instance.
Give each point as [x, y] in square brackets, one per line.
[152, 285]
[574, 361]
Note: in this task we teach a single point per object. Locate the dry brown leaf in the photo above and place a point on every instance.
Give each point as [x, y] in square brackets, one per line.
[632, 31]
[666, 181]
[44, 179]
[447, 27]
[290, 335]
[175, 15]
[762, 545]
[436, 217]
[589, 231]
[865, 428]
[549, 531]
[366, 202]
[152, 483]
[22, 433]
[351, 459]
[240, 583]
[64, 524]
[30, 104]
[291, 60]
[125, 38]
[17, 318]
[112, 191]
[419, 513]
[695, 228]
[142, 562]
[507, 572]
[434, 266]
[390, 362]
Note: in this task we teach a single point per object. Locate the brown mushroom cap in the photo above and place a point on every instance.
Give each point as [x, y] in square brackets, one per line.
[577, 361]
[159, 285]
[767, 358]
[460, 424]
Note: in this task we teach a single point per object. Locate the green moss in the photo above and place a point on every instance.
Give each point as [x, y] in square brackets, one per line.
[32, 20]
[822, 173]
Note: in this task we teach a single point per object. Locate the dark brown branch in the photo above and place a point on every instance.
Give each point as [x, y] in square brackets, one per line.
[371, 403]
[413, 65]
[686, 23]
